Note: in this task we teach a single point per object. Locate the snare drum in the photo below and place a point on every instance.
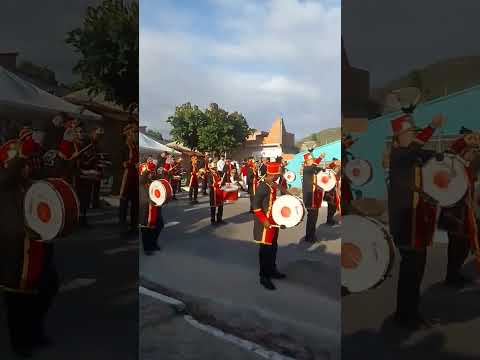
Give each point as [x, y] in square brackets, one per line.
[288, 210]
[51, 208]
[326, 179]
[368, 253]
[358, 171]
[160, 192]
[230, 193]
[446, 181]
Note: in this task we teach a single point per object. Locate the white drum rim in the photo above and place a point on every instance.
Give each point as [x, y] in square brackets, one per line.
[45, 231]
[368, 274]
[455, 191]
[230, 188]
[331, 184]
[354, 180]
[298, 210]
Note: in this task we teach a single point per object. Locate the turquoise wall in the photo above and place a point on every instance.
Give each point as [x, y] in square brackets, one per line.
[331, 150]
[461, 109]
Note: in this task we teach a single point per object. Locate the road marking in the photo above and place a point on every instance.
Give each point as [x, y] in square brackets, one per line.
[200, 206]
[177, 304]
[245, 344]
[121, 249]
[77, 283]
[171, 223]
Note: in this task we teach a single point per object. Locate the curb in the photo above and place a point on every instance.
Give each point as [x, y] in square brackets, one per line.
[181, 308]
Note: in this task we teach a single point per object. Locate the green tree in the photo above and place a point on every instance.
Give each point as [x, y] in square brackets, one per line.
[224, 131]
[108, 45]
[186, 124]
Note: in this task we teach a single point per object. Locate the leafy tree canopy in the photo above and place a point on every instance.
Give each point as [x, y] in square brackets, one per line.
[108, 45]
[213, 130]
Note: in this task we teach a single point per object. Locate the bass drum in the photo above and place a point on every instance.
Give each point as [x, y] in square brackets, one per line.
[326, 179]
[368, 253]
[446, 181]
[358, 171]
[51, 208]
[160, 192]
[288, 210]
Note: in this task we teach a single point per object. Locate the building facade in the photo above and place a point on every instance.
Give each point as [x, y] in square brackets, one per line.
[273, 143]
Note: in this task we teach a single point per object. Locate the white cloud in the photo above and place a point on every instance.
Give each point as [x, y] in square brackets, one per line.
[282, 56]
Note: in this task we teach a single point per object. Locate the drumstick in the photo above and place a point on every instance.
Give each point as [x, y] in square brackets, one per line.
[81, 151]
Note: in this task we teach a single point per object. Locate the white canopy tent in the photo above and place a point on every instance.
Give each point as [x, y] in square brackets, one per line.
[149, 145]
[22, 102]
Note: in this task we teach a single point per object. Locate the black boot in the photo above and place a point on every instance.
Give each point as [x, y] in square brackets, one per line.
[278, 275]
[267, 283]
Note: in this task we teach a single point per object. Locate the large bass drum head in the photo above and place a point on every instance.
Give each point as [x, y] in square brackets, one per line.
[288, 210]
[51, 208]
[358, 171]
[326, 179]
[159, 192]
[445, 181]
[367, 253]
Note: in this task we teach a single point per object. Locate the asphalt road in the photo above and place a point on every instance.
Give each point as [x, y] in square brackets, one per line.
[367, 326]
[215, 270]
[95, 315]
[166, 335]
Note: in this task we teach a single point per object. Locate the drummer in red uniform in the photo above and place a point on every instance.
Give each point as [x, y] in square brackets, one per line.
[264, 233]
[312, 194]
[411, 215]
[459, 220]
[216, 195]
[28, 274]
[129, 187]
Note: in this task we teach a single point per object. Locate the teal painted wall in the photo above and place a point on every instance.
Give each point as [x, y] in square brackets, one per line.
[332, 150]
[461, 109]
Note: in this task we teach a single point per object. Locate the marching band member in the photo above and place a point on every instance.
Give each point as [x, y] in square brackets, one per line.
[332, 197]
[216, 195]
[83, 185]
[346, 190]
[148, 211]
[265, 232]
[252, 180]
[177, 180]
[205, 164]
[459, 220]
[262, 170]
[312, 194]
[282, 181]
[243, 172]
[227, 172]
[128, 189]
[95, 137]
[193, 180]
[28, 294]
[406, 203]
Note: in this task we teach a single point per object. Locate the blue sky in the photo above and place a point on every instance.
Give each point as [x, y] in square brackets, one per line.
[261, 58]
